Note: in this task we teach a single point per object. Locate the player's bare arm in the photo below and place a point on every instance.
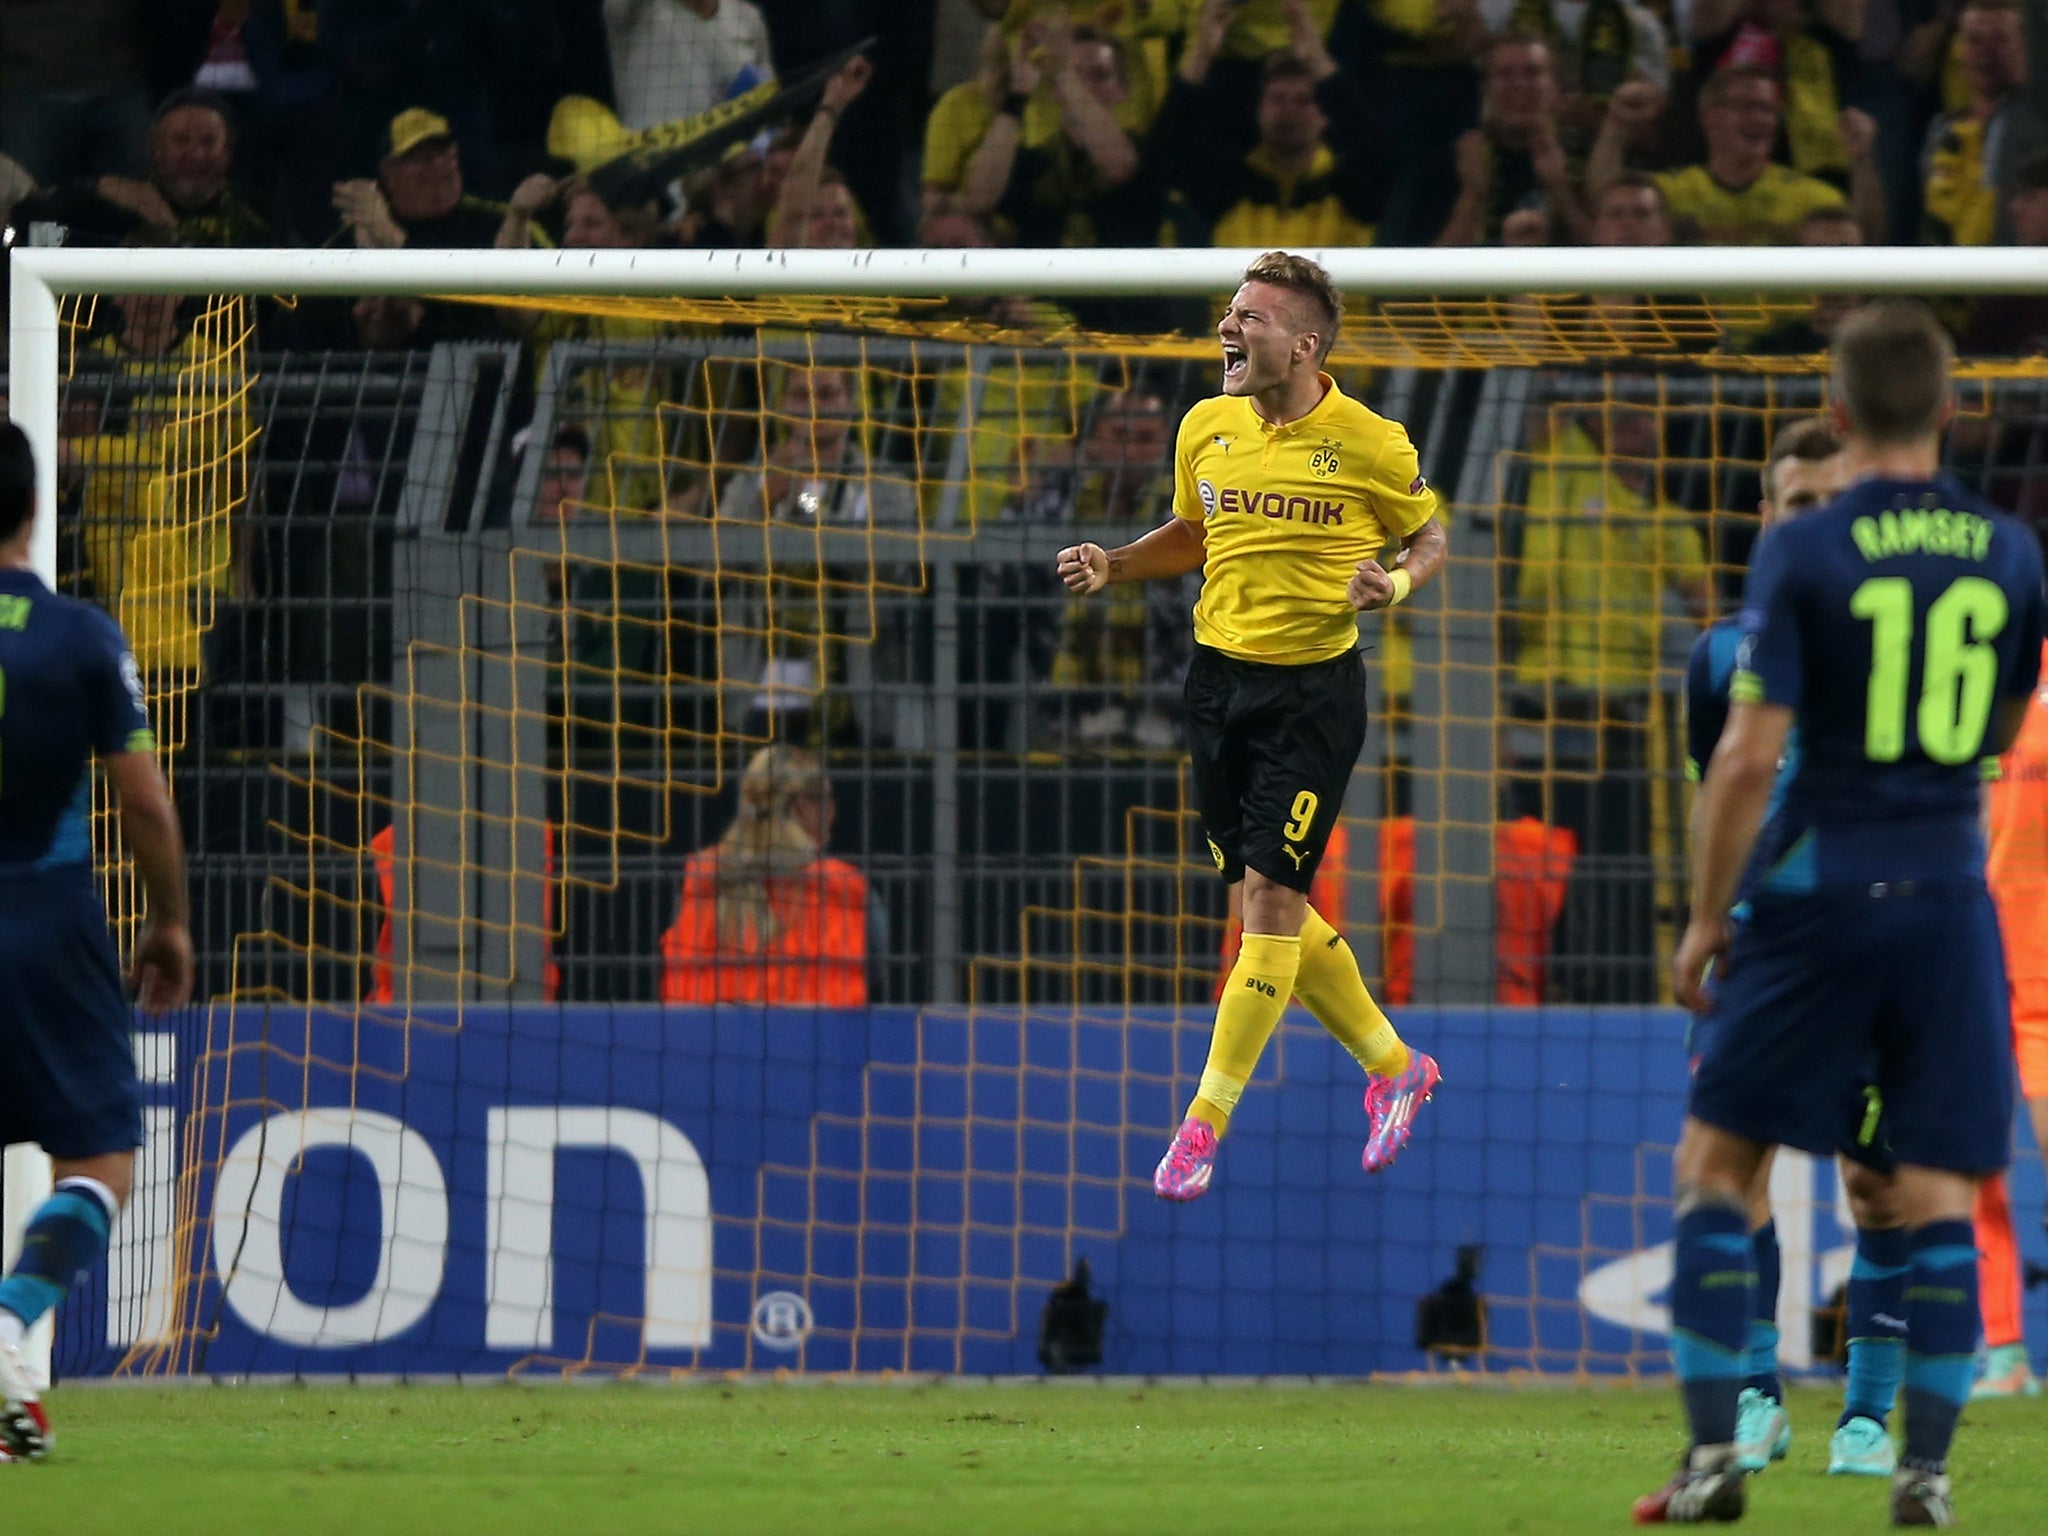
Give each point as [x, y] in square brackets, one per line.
[1733, 800]
[149, 824]
[1174, 548]
[1422, 555]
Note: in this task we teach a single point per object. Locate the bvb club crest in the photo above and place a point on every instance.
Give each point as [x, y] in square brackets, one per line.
[1323, 462]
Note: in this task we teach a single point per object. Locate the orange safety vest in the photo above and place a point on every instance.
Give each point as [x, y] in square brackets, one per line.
[1531, 863]
[384, 865]
[818, 959]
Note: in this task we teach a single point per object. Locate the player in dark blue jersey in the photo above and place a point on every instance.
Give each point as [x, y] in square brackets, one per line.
[1805, 471]
[1900, 629]
[69, 692]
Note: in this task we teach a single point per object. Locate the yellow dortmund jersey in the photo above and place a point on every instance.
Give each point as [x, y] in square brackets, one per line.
[1766, 212]
[1288, 512]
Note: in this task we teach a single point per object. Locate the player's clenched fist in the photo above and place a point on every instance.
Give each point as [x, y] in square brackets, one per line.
[1084, 568]
[1371, 587]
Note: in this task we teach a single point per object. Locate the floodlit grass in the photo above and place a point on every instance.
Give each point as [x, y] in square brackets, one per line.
[808, 1460]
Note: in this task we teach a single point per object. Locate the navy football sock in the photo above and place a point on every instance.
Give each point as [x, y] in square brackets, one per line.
[64, 1238]
[1941, 1339]
[1876, 1323]
[1761, 1362]
[1711, 1306]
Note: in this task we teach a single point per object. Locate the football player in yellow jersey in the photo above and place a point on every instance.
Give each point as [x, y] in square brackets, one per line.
[1288, 495]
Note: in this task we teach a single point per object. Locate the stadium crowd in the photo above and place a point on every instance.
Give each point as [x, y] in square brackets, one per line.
[1031, 122]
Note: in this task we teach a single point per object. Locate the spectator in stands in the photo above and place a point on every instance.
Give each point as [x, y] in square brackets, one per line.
[563, 478]
[765, 915]
[728, 205]
[1805, 45]
[418, 198]
[1599, 551]
[1081, 186]
[1971, 155]
[961, 117]
[187, 198]
[156, 500]
[564, 473]
[1813, 332]
[74, 88]
[815, 468]
[1739, 195]
[679, 58]
[814, 208]
[880, 132]
[617, 400]
[2016, 325]
[1515, 154]
[1117, 662]
[1145, 32]
[1594, 46]
[1316, 177]
[419, 201]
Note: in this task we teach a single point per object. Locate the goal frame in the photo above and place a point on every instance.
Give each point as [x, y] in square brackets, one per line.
[42, 276]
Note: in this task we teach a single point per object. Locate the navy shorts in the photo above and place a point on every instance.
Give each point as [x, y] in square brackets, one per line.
[1863, 1135]
[1898, 989]
[67, 1056]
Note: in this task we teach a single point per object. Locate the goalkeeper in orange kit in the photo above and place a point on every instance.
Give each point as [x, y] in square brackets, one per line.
[2018, 872]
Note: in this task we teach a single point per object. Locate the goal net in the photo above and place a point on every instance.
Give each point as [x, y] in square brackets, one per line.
[460, 651]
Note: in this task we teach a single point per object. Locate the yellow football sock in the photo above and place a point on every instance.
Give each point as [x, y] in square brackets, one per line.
[1254, 997]
[1330, 987]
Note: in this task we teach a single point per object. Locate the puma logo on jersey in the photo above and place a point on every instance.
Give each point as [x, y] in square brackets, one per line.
[1296, 854]
[1223, 440]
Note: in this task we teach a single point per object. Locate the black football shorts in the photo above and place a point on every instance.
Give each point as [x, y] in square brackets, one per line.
[1273, 750]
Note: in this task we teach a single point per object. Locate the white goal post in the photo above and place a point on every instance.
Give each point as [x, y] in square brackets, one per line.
[40, 276]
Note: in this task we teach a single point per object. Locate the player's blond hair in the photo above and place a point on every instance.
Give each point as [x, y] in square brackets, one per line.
[1307, 280]
[1890, 372]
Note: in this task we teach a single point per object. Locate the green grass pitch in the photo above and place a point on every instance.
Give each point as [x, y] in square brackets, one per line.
[982, 1460]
